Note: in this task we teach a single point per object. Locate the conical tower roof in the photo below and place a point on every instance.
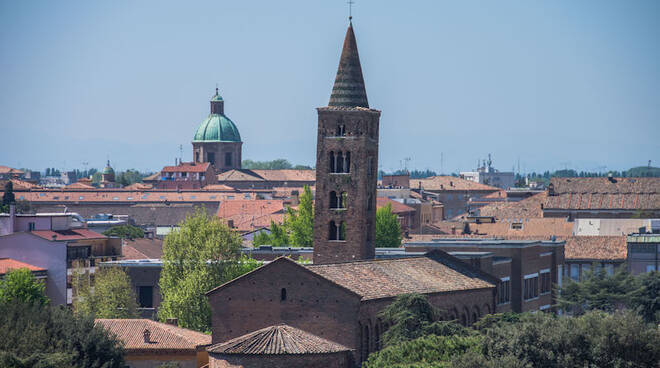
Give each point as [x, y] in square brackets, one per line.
[349, 90]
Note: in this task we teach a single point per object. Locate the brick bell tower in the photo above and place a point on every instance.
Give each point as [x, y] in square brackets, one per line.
[346, 166]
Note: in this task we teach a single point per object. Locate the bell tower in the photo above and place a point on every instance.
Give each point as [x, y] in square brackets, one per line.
[346, 166]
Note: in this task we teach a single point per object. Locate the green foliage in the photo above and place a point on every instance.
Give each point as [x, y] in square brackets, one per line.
[277, 164]
[19, 286]
[424, 352]
[112, 295]
[601, 291]
[34, 336]
[128, 177]
[8, 196]
[596, 339]
[200, 255]
[300, 223]
[388, 228]
[297, 229]
[96, 177]
[125, 232]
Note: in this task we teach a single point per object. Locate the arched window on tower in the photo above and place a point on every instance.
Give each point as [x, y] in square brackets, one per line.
[339, 163]
[333, 200]
[343, 200]
[332, 231]
[341, 234]
[341, 130]
[347, 162]
[332, 161]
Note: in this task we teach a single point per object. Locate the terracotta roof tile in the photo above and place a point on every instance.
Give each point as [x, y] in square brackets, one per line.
[248, 215]
[448, 183]
[79, 185]
[187, 167]
[162, 335]
[596, 248]
[527, 208]
[274, 340]
[397, 207]
[142, 249]
[120, 196]
[238, 175]
[9, 170]
[7, 264]
[604, 193]
[287, 175]
[384, 278]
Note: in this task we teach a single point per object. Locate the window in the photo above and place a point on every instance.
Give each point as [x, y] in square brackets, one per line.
[609, 268]
[146, 296]
[31, 226]
[546, 281]
[197, 156]
[341, 130]
[337, 232]
[517, 225]
[531, 286]
[210, 157]
[370, 166]
[650, 268]
[228, 159]
[504, 291]
[283, 294]
[575, 272]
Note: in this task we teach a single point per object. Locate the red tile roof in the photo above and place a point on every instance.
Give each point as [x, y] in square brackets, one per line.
[248, 215]
[604, 193]
[238, 175]
[527, 208]
[119, 196]
[287, 175]
[397, 207]
[436, 272]
[450, 183]
[8, 264]
[138, 186]
[188, 167]
[275, 340]
[72, 234]
[9, 170]
[79, 185]
[596, 248]
[162, 335]
[142, 249]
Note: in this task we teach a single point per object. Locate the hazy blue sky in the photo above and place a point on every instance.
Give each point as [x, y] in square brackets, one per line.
[553, 83]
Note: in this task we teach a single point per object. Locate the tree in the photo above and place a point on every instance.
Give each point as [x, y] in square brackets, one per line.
[129, 177]
[125, 232]
[195, 260]
[388, 228]
[111, 296]
[8, 198]
[34, 336]
[20, 286]
[647, 300]
[300, 223]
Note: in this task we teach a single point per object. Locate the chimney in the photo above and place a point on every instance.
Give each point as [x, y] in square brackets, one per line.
[54, 238]
[147, 336]
[172, 321]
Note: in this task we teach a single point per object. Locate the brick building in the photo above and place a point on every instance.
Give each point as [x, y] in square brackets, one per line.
[454, 193]
[186, 175]
[346, 166]
[341, 301]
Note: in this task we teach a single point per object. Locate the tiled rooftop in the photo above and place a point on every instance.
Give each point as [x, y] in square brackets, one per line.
[7, 264]
[248, 215]
[435, 272]
[397, 207]
[72, 234]
[162, 335]
[188, 167]
[596, 248]
[142, 249]
[273, 340]
[604, 193]
[449, 183]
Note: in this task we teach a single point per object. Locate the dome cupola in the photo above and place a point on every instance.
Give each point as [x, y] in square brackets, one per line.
[217, 127]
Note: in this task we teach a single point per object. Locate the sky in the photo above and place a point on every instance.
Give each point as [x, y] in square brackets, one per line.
[545, 85]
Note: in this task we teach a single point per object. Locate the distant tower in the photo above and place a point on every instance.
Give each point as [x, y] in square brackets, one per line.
[217, 139]
[346, 166]
[108, 174]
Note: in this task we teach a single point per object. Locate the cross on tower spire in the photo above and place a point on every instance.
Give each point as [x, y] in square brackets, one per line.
[350, 9]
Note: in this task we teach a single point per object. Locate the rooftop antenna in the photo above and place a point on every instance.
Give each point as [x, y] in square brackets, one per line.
[181, 145]
[405, 165]
[442, 169]
[350, 9]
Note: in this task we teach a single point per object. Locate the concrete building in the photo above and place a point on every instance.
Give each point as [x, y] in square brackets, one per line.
[643, 252]
[487, 174]
[217, 140]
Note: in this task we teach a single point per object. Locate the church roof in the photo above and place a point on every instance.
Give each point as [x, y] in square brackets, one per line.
[217, 128]
[274, 340]
[436, 272]
[349, 89]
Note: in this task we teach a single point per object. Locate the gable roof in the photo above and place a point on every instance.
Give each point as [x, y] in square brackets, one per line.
[188, 167]
[247, 215]
[604, 193]
[450, 183]
[530, 207]
[162, 335]
[238, 175]
[142, 249]
[8, 264]
[275, 340]
[397, 207]
[436, 272]
[287, 175]
[71, 234]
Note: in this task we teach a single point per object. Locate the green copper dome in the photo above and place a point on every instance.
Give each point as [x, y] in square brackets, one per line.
[217, 127]
[108, 169]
